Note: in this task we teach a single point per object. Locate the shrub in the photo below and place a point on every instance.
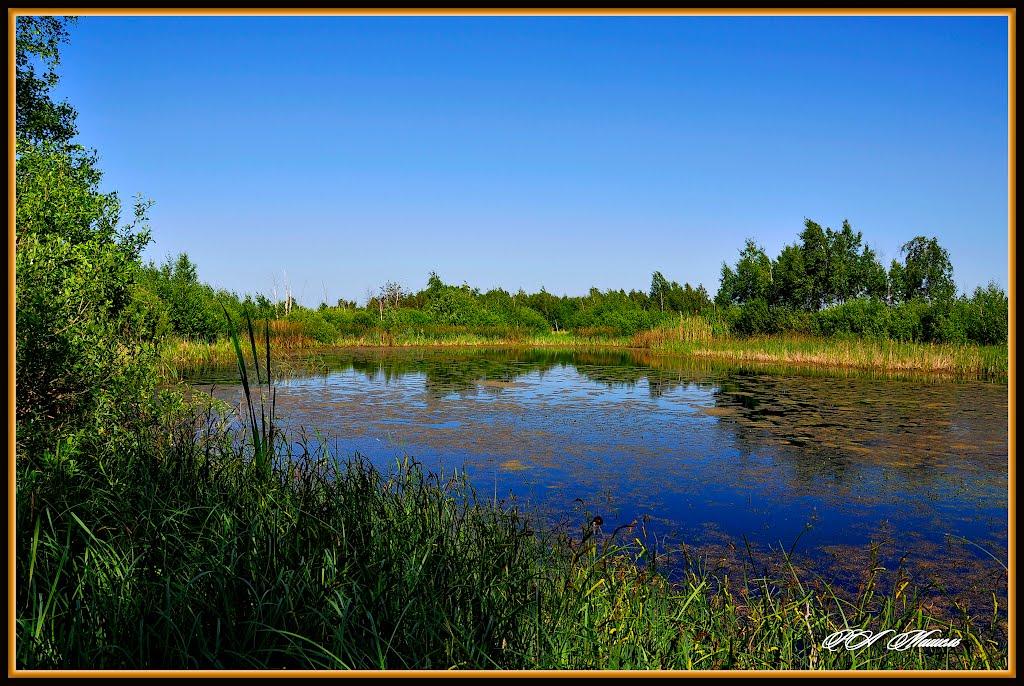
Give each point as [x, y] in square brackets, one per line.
[948, 321]
[313, 325]
[862, 317]
[82, 353]
[754, 317]
[528, 319]
[907, 321]
[457, 306]
[405, 317]
[989, 324]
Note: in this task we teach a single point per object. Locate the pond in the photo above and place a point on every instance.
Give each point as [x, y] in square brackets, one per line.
[733, 462]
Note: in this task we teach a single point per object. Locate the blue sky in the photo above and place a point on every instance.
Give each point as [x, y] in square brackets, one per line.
[520, 152]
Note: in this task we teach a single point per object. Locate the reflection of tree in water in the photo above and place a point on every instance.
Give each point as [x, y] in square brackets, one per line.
[845, 435]
[907, 448]
[450, 370]
[456, 371]
[663, 374]
[863, 439]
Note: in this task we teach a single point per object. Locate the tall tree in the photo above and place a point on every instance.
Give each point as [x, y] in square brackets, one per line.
[752, 278]
[790, 285]
[871, 275]
[926, 272]
[659, 289]
[814, 246]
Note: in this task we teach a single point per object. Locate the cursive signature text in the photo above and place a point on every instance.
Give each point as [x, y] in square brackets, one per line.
[855, 639]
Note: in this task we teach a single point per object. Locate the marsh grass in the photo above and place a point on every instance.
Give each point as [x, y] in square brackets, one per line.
[688, 330]
[191, 359]
[966, 361]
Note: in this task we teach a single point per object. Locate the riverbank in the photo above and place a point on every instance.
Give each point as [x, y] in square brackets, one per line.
[822, 355]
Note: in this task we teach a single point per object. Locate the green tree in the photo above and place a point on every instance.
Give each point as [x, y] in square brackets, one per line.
[926, 272]
[990, 323]
[194, 309]
[659, 289]
[82, 352]
[814, 247]
[790, 285]
[752, 278]
[37, 45]
[871, 276]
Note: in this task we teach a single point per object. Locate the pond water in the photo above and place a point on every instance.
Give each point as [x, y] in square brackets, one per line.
[720, 458]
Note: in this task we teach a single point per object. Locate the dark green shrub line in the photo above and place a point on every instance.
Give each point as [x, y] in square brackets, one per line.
[981, 318]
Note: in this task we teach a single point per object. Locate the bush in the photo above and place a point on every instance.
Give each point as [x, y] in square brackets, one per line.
[948, 321]
[457, 306]
[349, 320]
[754, 317]
[406, 317]
[989, 323]
[82, 352]
[617, 320]
[313, 325]
[907, 321]
[528, 319]
[862, 317]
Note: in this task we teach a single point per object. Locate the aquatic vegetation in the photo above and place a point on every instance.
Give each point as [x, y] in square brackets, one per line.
[838, 356]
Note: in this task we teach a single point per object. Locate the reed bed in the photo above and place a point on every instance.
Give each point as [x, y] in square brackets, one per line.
[180, 359]
[967, 361]
[189, 359]
[688, 330]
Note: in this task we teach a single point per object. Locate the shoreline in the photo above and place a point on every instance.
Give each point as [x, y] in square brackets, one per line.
[840, 357]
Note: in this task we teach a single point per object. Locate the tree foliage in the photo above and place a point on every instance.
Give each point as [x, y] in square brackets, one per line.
[38, 118]
[925, 273]
[82, 351]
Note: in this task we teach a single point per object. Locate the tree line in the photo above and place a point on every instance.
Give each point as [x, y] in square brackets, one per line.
[825, 267]
[829, 282]
[826, 284]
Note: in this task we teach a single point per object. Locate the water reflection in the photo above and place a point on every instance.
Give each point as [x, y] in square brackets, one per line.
[711, 454]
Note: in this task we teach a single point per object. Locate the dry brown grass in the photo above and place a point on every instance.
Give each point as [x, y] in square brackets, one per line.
[688, 330]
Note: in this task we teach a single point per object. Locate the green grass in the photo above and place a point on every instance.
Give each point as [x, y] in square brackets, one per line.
[181, 358]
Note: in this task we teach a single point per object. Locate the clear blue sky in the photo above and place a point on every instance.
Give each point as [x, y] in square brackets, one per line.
[521, 152]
